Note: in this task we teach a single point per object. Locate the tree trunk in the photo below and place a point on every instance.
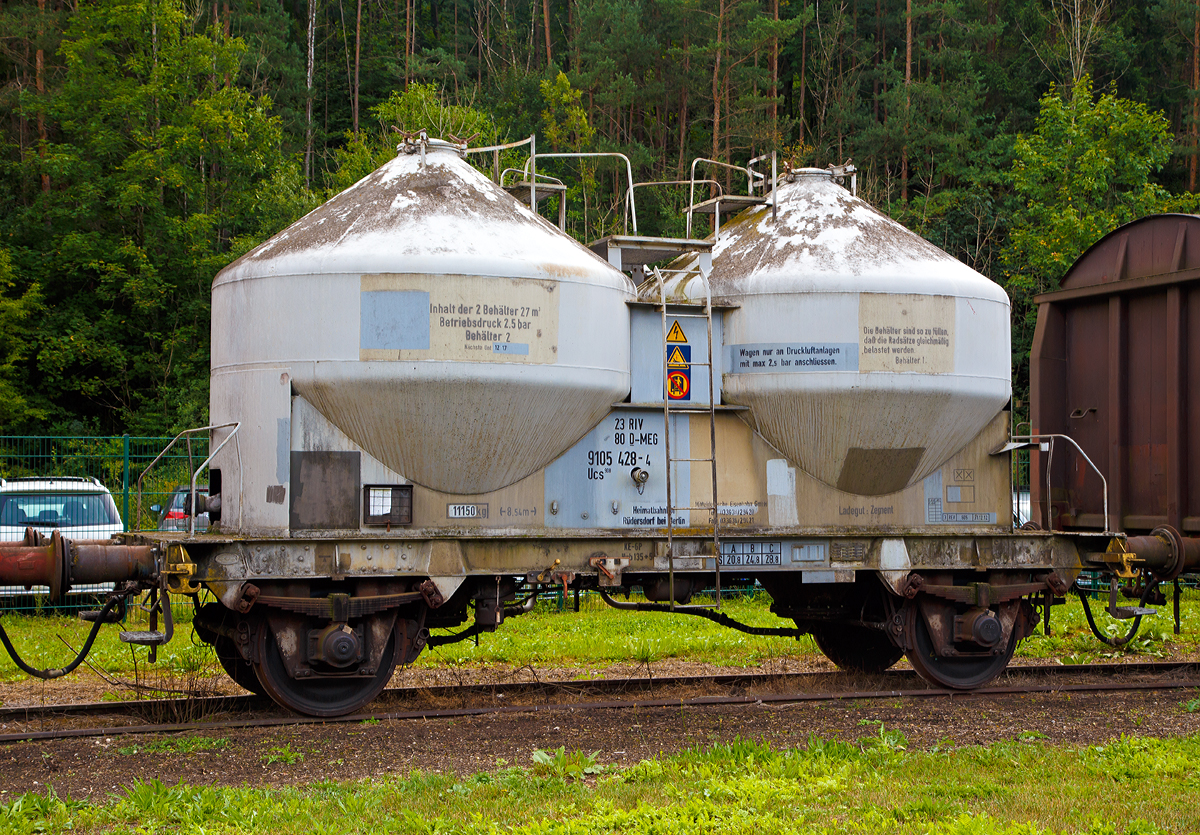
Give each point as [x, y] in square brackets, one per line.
[683, 108]
[311, 37]
[227, 29]
[907, 99]
[408, 27]
[728, 156]
[880, 50]
[1195, 131]
[546, 20]
[775, 78]
[357, 64]
[716, 84]
[803, 85]
[39, 81]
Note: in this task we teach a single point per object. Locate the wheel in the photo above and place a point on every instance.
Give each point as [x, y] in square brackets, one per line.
[319, 695]
[956, 673]
[857, 649]
[238, 669]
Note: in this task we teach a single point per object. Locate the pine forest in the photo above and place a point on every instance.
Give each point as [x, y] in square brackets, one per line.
[148, 143]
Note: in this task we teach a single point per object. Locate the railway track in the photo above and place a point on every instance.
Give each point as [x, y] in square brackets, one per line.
[499, 698]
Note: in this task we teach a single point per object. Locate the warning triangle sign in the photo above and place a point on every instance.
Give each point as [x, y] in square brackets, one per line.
[676, 333]
[676, 359]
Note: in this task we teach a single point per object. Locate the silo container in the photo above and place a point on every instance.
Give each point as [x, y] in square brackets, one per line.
[865, 354]
[446, 329]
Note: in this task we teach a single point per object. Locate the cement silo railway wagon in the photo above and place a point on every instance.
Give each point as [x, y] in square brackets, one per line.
[428, 403]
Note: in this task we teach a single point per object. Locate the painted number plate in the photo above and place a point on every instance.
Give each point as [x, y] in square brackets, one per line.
[751, 553]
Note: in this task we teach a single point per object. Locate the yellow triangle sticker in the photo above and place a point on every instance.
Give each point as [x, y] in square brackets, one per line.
[676, 360]
[676, 333]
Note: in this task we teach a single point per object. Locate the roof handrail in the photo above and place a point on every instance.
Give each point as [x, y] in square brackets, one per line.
[187, 433]
[544, 177]
[1045, 442]
[720, 189]
[632, 208]
[495, 150]
[750, 175]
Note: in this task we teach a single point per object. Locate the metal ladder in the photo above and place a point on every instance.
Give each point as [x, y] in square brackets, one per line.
[668, 411]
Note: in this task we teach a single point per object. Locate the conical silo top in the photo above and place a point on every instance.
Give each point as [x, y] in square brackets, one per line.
[428, 212]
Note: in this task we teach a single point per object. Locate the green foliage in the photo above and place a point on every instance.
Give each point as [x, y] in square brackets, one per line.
[153, 172]
[282, 754]
[16, 316]
[161, 140]
[827, 786]
[418, 108]
[564, 120]
[573, 766]
[1088, 168]
[175, 745]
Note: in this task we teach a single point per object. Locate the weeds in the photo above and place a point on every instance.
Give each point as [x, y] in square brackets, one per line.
[176, 745]
[282, 754]
[573, 766]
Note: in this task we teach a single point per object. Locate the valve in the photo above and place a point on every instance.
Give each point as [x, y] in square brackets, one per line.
[640, 477]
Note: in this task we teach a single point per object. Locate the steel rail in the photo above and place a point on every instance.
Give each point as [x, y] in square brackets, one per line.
[503, 689]
[783, 699]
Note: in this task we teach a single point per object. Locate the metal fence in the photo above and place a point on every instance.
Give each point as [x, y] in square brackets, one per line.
[1022, 510]
[64, 483]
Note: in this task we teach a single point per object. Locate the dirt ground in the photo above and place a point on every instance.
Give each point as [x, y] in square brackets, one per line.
[90, 767]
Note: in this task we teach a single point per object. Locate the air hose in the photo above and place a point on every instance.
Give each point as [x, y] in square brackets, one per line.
[113, 600]
[1116, 643]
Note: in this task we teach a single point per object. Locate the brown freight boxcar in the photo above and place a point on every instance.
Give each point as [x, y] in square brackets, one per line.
[1115, 366]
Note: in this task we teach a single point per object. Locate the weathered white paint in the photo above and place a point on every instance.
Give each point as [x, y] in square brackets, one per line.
[292, 309]
[820, 274]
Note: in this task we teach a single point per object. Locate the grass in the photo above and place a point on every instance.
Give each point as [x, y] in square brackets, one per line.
[599, 635]
[594, 637]
[282, 754]
[175, 745]
[1131, 786]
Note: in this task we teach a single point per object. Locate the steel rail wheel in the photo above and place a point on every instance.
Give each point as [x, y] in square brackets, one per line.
[319, 695]
[857, 649]
[955, 672]
[236, 667]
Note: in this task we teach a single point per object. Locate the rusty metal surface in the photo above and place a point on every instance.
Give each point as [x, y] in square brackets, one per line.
[208, 705]
[23, 565]
[1166, 553]
[102, 563]
[1115, 364]
[623, 704]
[62, 561]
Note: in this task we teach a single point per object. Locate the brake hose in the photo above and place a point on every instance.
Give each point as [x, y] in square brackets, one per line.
[1116, 643]
[87, 646]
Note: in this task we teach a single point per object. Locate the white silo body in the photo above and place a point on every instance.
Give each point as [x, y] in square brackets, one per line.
[447, 330]
[865, 354]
